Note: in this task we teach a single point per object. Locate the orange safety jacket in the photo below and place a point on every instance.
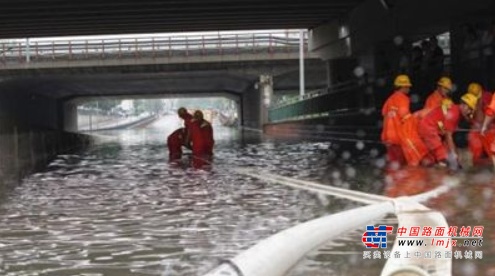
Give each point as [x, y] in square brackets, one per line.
[433, 101]
[400, 127]
[395, 111]
[202, 137]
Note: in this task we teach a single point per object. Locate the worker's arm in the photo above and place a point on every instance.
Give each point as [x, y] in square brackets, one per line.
[489, 115]
[449, 139]
[486, 122]
[453, 156]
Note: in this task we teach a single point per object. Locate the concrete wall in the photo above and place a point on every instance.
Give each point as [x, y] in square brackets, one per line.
[250, 108]
[69, 116]
[325, 41]
[23, 151]
[473, 59]
[371, 22]
[372, 26]
[30, 131]
[21, 105]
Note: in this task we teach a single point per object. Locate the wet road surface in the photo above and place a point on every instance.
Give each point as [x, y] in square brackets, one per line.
[121, 209]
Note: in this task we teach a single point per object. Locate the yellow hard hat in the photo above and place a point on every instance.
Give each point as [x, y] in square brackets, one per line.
[475, 89]
[447, 102]
[445, 82]
[402, 81]
[470, 100]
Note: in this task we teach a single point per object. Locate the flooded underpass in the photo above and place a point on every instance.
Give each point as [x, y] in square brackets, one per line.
[120, 208]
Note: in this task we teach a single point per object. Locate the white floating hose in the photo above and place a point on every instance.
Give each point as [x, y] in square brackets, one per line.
[413, 214]
[315, 187]
[356, 196]
[276, 255]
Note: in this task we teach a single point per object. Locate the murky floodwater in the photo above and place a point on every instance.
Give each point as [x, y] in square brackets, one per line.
[122, 209]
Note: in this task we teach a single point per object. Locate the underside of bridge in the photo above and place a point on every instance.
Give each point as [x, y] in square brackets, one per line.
[48, 97]
[31, 18]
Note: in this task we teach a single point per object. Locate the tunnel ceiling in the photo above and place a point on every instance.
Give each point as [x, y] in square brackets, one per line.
[38, 18]
[141, 85]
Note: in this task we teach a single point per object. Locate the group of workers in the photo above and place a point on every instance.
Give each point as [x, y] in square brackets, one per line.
[197, 135]
[425, 137]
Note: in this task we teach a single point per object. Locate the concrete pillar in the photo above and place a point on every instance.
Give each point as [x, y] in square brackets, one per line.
[301, 65]
[28, 51]
[69, 115]
[328, 67]
[266, 93]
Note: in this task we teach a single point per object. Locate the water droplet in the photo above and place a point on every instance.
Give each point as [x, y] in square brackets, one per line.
[359, 71]
[468, 269]
[487, 194]
[478, 214]
[350, 172]
[398, 40]
[462, 201]
[380, 162]
[360, 145]
[346, 155]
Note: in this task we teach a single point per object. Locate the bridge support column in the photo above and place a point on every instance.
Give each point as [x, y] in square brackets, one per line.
[328, 67]
[266, 94]
[69, 116]
[28, 51]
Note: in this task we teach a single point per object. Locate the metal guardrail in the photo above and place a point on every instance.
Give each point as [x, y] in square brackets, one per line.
[157, 46]
[320, 103]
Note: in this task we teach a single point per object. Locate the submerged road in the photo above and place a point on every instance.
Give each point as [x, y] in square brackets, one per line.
[120, 208]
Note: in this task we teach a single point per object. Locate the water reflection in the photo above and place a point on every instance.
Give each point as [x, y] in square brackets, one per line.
[122, 209]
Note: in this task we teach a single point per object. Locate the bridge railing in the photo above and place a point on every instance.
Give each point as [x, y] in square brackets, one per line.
[342, 98]
[153, 46]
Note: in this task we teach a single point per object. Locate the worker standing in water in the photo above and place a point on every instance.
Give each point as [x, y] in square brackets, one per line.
[476, 142]
[436, 129]
[201, 139]
[180, 137]
[395, 111]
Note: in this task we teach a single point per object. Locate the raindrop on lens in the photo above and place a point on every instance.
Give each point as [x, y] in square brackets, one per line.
[359, 71]
[398, 40]
[360, 145]
[350, 172]
[346, 155]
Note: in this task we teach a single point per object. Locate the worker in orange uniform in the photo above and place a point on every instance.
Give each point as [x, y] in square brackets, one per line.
[201, 139]
[180, 137]
[476, 142]
[396, 115]
[443, 91]
[437, 126]
[489, 139]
